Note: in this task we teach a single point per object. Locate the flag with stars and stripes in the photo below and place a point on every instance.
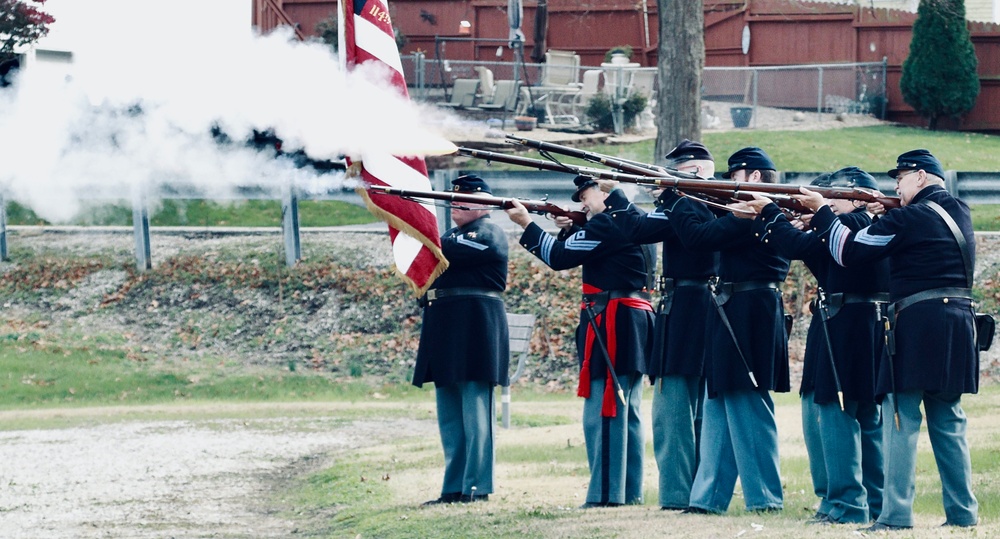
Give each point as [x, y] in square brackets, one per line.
[367, 36]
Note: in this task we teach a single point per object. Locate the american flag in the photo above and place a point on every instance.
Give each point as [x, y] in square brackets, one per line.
[367, 36]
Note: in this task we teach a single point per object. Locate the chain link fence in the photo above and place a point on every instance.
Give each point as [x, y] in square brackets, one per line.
[732, 97]
[768, 97]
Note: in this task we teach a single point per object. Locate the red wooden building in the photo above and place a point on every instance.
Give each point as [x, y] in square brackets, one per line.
[750, 33]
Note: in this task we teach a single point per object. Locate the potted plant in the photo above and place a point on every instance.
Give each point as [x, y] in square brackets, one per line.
[600, 111]
[621, 54]
[525, 123]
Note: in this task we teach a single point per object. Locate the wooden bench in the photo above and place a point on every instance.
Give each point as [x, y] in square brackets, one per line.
[520, 326]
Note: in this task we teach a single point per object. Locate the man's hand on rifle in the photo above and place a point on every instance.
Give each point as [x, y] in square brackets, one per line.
[802, 222]
[810, 199]
[876, 208]
[519, 214]
[607, 185]
[750, 209]
[562, 221]
[758, 202]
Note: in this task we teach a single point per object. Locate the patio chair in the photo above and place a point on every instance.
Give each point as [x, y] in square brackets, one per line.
[504, 99]
[485, 83]
[561, 68]
[590, 88]
[463, 94]
[642, 83]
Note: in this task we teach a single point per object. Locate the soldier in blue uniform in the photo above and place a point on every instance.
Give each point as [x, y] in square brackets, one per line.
[931, 354]
[841, 420]
[464, 346]
[615, 316]
[748, 354]
[676, 365]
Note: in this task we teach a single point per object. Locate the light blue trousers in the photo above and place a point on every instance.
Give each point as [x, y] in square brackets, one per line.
[946, 425]
[615, 445]
[466, 421]
[739, 439]
[676, 421]
[840, 443]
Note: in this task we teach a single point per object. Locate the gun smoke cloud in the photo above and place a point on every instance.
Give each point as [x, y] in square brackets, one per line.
[137, 107]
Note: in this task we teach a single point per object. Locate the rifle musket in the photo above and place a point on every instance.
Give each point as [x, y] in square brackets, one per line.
[638, 173]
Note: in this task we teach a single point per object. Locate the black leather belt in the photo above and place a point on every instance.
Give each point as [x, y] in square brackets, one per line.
[668, 283]
[837, 300]
[723, 291]
[608, 295]
[847, 298]
[438, 293]
[746, 286]
[934, 293]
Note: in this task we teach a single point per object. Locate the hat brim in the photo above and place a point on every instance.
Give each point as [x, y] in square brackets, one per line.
[892, 173]
[576, 195]
[728, 174]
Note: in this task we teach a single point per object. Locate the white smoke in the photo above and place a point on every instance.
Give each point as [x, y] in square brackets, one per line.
[136, 111]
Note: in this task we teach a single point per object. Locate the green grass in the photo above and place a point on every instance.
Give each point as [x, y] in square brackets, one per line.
[37, 374]
[986, 217]
[871, 148]
[376, 492]
[177, 212]
[338, 503]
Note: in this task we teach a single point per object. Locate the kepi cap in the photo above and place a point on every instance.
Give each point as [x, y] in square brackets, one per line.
[582, 183]
[688, 150]
[919, 159]
[846, 177]
[750, 158]
[470, 183]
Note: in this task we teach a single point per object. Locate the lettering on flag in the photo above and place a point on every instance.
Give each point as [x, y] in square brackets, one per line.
[367, 36]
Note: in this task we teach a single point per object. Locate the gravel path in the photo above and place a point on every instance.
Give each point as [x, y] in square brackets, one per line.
[162, 479]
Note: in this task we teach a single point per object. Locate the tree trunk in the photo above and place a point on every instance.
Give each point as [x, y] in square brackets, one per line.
[680, 64]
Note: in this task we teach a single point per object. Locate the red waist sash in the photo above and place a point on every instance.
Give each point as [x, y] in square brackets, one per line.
[608, 406]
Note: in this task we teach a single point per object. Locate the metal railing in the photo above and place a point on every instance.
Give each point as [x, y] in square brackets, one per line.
[971, 187]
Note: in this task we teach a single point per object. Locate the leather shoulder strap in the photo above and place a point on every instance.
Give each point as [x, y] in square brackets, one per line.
[959, 237]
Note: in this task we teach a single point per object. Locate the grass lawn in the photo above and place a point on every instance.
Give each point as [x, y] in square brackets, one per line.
[541, 461]
[542, 478]
[871, 148]
[180, 212]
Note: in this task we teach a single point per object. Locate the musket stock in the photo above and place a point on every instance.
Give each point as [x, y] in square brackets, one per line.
[534, 206]
[693, 184]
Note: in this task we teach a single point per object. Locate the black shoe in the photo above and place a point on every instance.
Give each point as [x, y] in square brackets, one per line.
[769, 509]
[820, 519]
[470, 498]
[882, 527]
[696, 511]
[675, 509]
[949, 524]
[450, 497]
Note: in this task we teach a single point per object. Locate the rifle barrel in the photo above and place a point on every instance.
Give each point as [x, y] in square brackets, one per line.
[533, 206]
[691, 183]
